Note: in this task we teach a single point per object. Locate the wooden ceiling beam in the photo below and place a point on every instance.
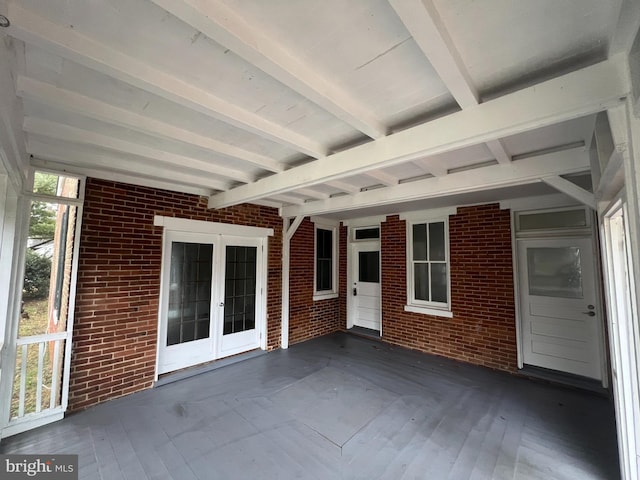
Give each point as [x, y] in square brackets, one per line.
[80, 136]
[428, 30]
[69, 101]
[72, 45]
[582, 92]
[531, 170]
[223, 25]
[76, 156]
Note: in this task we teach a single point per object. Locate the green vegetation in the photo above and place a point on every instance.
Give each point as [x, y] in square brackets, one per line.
[34, 322]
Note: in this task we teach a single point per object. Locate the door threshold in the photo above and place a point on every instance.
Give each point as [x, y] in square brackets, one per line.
[365, 332]
[562, 378]
[171, 377]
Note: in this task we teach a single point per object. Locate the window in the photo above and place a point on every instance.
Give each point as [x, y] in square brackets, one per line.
[326, 265]
[428, 267]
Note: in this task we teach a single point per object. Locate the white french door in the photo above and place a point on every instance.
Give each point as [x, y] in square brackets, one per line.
[560, 313]
[212, 298]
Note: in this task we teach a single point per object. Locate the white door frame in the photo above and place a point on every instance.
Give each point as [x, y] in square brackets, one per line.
[621, 306]
[559, 203]
[217, 232]
[352, 226]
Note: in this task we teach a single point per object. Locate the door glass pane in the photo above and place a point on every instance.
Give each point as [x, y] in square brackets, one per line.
[189, 292]
[439, 282]
[421, 281]
[240, 289]
[436, 242]
[369, 267]
[555, 272]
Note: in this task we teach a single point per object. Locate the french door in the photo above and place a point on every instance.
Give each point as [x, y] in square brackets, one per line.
[211, 303]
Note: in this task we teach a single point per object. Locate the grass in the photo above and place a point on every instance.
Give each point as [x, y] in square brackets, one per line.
[33, 322]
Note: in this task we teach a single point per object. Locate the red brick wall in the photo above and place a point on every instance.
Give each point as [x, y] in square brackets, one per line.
[482, 330]
[309, 319]
[115, 330]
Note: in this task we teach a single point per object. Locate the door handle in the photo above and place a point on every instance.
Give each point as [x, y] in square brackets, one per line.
[590, 313]
[355, 291]
[221, 304]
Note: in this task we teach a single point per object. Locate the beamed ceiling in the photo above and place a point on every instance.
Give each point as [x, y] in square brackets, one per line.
[324, 107]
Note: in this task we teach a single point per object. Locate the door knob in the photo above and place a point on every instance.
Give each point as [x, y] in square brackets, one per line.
[221, 304]
[355, 291]
[590, 313]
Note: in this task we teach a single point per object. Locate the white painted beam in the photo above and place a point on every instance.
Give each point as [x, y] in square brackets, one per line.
[103, 161]
[435, 167]
[423, 21]
[344, 186]
[85, 137]
[74, 102]
[290, 199]
[571, 189]
[583, 92]
[427, 29]
[499, 151]
[115, 176]
[226, 27]
[66, 42]
[382, 177]
[311, 193]
[521, 172]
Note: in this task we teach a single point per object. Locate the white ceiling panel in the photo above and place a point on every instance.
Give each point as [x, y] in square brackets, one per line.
[513, 42]
[295, 102]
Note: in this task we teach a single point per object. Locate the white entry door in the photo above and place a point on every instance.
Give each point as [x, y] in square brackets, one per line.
[243, 287]
[366, 285]
[209, 306]
[560, 315]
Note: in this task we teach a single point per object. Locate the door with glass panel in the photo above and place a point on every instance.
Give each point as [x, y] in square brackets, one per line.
[560, 314]
[188, 294]
[366, 285]
[209, 305]
[242, 285]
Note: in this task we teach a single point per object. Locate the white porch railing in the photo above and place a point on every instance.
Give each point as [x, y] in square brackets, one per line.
[38, 372]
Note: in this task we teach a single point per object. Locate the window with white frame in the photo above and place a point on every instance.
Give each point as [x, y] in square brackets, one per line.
[325, 262]
[428, 267]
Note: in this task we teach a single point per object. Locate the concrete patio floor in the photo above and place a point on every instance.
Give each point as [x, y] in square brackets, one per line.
[340, 407]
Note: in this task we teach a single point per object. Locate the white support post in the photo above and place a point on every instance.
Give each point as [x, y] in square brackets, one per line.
[288, 230]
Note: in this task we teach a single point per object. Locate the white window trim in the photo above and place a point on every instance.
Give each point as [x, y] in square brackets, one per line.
[419, 306]
[326, 224]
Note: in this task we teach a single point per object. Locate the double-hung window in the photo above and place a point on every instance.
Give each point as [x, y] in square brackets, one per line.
[428, 285]
[326, 262]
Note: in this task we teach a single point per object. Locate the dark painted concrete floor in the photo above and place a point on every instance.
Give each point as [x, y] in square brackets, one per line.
[340, 407]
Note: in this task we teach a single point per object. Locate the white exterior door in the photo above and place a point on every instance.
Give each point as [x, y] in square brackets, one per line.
[240, 310]
[187, 313]
[560, 315]
[366, 285]
[212, 298]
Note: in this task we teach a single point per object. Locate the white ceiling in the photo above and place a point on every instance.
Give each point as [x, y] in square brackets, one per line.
[255, 99]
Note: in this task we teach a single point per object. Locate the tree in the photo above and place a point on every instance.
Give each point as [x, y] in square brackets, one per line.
[42, 224]
[37, 274]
